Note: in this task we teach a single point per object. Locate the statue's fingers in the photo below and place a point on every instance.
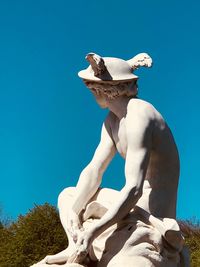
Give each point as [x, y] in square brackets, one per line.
[70, 228]
[75, 238]
[79, 242]
[77, 227]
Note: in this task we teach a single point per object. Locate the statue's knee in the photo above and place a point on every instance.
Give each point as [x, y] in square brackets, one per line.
[65, 196]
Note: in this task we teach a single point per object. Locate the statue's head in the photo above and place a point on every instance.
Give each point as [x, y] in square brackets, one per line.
[109, 91]
[109, 77]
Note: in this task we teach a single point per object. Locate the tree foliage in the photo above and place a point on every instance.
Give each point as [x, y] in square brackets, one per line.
[191, 232]
[31, 237]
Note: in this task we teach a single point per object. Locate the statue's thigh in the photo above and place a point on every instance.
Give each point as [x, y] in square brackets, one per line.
[106, 196]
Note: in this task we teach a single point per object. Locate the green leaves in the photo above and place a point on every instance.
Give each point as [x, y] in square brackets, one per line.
[191, 231]
[31, 237]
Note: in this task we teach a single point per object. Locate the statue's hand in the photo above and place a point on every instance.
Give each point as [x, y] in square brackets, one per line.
[85, 239]
[73, 224]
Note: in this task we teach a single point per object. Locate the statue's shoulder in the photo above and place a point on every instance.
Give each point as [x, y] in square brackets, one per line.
[138, 106]
[146, 112]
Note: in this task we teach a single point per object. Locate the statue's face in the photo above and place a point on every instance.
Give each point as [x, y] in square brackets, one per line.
[100, 98]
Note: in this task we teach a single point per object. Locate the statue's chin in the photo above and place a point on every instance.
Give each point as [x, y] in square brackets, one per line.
[102, 104]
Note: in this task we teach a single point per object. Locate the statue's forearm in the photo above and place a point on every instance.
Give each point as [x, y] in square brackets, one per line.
[88, 184]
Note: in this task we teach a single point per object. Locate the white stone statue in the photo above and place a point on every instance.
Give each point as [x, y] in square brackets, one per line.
[136, 226]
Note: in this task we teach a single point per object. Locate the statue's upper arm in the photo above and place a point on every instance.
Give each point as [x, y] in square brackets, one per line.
[139, 127]
[106, 148]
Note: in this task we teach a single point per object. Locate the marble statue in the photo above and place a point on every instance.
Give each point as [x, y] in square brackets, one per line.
[134, 227]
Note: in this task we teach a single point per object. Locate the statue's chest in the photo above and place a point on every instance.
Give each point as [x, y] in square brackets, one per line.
[119, 136]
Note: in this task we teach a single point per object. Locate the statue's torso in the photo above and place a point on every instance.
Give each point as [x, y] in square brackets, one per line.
[161, 180]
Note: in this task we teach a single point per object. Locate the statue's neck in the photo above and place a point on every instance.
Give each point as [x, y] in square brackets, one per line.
[119, 105]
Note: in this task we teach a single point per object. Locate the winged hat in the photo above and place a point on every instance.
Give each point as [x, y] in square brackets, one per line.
[103, 69]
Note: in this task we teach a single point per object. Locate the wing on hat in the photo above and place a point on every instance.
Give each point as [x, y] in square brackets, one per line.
[97, 63]
[140, 60]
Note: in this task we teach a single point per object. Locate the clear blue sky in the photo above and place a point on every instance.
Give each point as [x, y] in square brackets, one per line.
[50, 123]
